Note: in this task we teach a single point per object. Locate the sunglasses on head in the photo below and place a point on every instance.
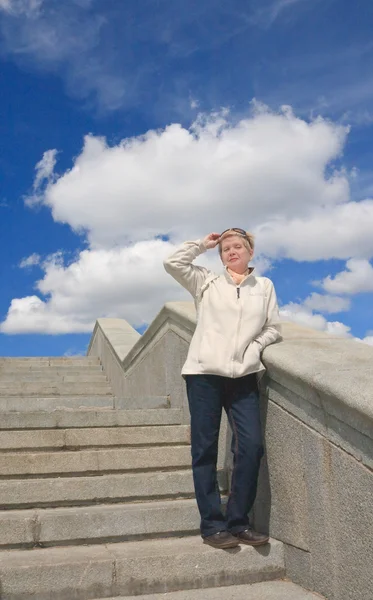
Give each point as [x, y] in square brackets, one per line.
[236, 229]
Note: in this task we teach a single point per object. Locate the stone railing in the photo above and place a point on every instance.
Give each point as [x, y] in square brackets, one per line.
[147, 365]
[315, 489]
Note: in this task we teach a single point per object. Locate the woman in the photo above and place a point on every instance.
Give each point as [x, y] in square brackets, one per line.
[237, 317]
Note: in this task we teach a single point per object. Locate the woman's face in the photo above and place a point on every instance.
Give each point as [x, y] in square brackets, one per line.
[234, 253]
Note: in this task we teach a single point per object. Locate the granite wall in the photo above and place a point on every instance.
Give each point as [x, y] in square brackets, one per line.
[316, 484]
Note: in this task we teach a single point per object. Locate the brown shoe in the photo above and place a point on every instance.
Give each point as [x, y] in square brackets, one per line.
[222, 539]
[251, 537]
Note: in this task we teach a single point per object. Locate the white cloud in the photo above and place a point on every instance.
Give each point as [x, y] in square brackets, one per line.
[338, 231]
[368, 339]
[326, 303]
[278, 6]
[267, 173]
[110, 54]
[300, 314]
[338, 328]
[61, 37]
[71, 352]
[194, 104]
[5, 5]
[269, 168]
[45, 167]
[44, 175]
[30, 261]
[262, 264]
[20, 7]
[124, 282]
[357, 278]
[268, 13]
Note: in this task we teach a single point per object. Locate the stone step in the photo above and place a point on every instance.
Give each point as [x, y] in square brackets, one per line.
[75, 491]
[45, 362]
[75, 439]
[98, 524]
[46, 371]
[86, 462]
[52, 379]
[88, 417]
[45, 403]
[103, 399]
[133, 568]
[266, 590]
[142, 402]
[29, 389]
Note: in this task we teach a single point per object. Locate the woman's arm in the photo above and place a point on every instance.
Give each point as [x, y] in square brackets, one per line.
[180, 266]
[271, 331]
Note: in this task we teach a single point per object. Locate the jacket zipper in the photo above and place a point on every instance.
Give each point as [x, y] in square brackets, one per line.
[238, 290]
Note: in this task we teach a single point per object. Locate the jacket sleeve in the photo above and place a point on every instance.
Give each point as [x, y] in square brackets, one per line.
[180, 266]
[271, 331]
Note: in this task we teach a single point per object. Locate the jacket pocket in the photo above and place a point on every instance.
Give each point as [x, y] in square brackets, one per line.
[212, 351]
[251, 357]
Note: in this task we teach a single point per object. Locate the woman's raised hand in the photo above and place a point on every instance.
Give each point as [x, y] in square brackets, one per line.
[211, 240]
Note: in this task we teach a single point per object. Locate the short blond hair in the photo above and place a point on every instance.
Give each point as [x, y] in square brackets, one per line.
[248, 240]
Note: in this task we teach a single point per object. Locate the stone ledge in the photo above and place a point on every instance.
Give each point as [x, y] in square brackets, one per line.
[120, 335]
[179, 314]
[341, 434]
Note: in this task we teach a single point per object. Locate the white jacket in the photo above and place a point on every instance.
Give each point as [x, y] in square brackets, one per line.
[234, 322]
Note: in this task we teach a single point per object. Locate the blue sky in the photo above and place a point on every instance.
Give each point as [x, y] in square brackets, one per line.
[90, 213]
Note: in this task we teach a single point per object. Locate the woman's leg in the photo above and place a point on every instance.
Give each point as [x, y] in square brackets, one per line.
[205, 405]
[241, 402]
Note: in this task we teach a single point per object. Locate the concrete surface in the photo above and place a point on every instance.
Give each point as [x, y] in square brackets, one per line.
[101, 398]
[70, 491]
[150, 566]
[105, 436]
[56, 377]
[46, 371]
[111, 343]
[317, 498]
[38, 362]
[118, 521]
[93, 524]
[142, 402]
[153, 365]
[38, 403]
[31, 388]
[88, 417]
[98, 460]
[317, 400]
[315, 490]
[290, 525]
[119, 335]
[269, 590]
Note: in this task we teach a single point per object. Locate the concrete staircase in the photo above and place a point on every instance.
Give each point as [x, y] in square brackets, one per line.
[96, 496]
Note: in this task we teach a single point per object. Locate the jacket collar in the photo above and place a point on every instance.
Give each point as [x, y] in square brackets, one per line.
[230, 280]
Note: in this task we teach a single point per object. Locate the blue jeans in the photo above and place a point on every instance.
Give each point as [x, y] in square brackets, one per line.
[207, 396]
